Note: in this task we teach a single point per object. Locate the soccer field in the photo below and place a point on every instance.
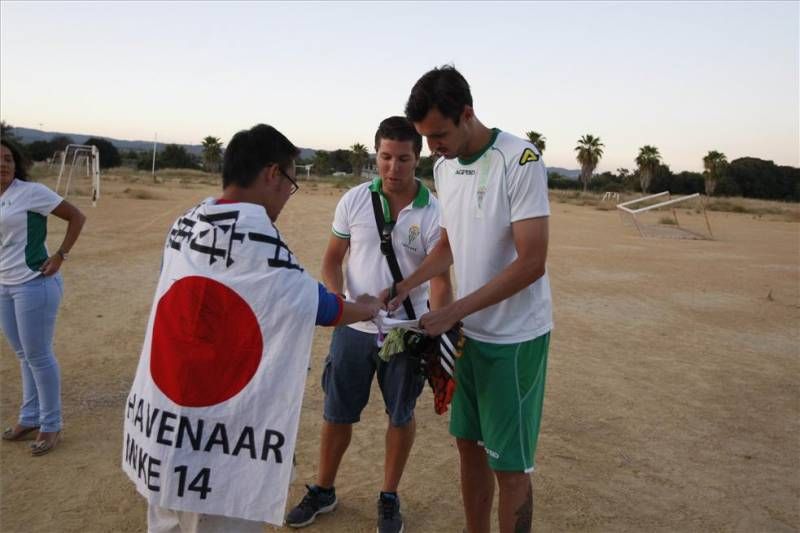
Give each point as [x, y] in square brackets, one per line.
[671, 403]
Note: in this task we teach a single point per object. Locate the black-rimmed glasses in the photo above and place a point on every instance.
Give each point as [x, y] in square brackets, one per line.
[295, 186]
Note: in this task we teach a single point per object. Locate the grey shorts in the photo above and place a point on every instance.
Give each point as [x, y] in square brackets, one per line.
[347, 378]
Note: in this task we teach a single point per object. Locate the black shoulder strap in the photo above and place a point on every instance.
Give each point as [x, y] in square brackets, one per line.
[385, 234]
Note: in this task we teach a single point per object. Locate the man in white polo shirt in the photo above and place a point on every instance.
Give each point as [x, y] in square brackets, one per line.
[411, 213]
[492, 188]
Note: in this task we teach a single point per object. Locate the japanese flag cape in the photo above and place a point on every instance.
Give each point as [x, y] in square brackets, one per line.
[211, 419]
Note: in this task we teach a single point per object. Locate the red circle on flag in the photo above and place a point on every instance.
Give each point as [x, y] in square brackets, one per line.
[207, 343]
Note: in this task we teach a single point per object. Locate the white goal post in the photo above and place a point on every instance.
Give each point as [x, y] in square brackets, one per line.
[610, 196]
[308, 169]
[670, 228]
[78, 155]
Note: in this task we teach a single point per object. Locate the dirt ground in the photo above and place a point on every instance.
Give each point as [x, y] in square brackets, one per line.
[672, 396]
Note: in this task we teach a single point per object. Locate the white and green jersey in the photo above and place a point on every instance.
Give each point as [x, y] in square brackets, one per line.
[23, 230]
[480, 198]
[415, 232]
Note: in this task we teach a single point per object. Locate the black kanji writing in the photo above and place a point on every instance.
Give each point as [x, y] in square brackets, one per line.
[214, 235]
[283, 255]
[206, 240]
[181, 232]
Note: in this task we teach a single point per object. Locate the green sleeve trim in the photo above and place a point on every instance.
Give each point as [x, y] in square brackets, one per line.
[340, 235]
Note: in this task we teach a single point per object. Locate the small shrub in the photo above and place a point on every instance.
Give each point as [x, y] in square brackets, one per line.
[140, 194]
[345, 182]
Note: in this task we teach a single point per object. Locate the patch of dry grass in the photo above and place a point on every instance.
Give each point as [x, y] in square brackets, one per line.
[773, 209]
[80, 191]
[594, 199]
[140, 194]
[767, 209]
[338, 182]
[181, 176]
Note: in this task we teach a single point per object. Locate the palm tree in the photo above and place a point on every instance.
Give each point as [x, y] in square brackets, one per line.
[358, 156]
[648, 161]
[212, 153]
[537, 139]
[714, 163]
[589, 153]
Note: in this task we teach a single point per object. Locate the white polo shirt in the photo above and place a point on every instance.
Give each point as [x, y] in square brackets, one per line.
[414, 235]
[480, 198]
[23, 230]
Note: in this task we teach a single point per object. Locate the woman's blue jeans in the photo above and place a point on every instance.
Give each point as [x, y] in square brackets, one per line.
[28, 319]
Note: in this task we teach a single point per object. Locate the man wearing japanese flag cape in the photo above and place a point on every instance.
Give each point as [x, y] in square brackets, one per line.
[211, 419]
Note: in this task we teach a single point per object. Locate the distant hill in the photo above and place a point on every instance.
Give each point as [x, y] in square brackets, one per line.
[571, 174]
[28, 135]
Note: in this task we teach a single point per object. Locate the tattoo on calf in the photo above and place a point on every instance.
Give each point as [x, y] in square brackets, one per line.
[524, 514]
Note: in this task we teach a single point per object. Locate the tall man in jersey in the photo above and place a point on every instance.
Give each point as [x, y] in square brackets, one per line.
[492, 189]
[411, 213]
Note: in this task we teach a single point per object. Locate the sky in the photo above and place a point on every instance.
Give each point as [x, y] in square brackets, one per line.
[684, 77]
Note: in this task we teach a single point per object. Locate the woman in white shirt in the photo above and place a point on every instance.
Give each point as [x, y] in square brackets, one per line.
[30, 293]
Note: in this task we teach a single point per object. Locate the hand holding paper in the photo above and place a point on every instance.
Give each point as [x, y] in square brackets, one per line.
[384, 323]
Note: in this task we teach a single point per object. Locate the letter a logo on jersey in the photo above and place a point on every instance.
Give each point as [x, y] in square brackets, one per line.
[527, 156]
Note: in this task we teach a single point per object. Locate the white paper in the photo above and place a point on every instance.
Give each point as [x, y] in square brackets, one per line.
[385, 323]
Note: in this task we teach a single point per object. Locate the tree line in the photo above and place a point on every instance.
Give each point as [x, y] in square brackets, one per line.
[170, 156]
[350, 161]
[745, 176]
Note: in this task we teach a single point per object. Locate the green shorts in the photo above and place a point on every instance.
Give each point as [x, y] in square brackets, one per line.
[498, 400]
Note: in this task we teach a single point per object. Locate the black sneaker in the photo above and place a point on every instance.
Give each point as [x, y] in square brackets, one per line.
[316, 501]
[390, 520]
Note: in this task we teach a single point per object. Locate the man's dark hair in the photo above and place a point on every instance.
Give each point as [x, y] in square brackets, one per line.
[398, 129]
[251, 150]
[443, 88]
[21, 163]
